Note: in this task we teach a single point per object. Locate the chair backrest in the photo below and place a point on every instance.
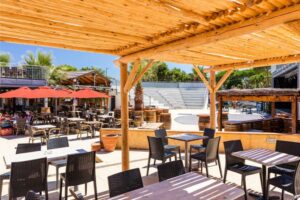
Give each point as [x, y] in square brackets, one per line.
[297, 179]
[28, 175]
[123, 182]
[80, 168]
[162, 133]
[28, 147]
[31, 195]
[288, 147]
[21, 122]
[55, 143]
[210, 133]
[212, 149]
[156, 148]
[231, 147]
[170, 169]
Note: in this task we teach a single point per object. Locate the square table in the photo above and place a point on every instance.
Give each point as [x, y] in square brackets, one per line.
[266, 158]
[189, 186]
[43, 127]
[186, 138]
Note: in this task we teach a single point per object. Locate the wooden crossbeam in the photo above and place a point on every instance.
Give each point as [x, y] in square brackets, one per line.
[132, 75]
[141, 74]
[223, 79]
[261, 22]
[202, 77]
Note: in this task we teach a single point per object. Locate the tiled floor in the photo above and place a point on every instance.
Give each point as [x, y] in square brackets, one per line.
[111, 164]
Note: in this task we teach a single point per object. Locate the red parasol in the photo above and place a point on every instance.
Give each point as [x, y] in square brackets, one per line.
[22, 92]
[47, 92]
[88, 94]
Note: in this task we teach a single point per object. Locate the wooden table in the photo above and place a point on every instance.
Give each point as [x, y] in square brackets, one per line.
[75, 119]
[51, 155]
[153, 126]
[186, 138]
[92, 123]
[189, 186]
[43, 127]
[266, 158]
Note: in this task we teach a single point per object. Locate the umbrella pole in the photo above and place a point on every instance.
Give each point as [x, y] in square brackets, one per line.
[56, 106]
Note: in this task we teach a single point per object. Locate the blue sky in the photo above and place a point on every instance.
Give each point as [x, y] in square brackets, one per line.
[75, 58]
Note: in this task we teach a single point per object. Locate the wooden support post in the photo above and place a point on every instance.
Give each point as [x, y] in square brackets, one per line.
[220, 113]
[294, 115]
[124, 117]
[132, 75]
[202, 77]
[273, 109]
[213, 100]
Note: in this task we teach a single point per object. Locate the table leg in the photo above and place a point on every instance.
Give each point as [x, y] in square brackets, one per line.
[186, 156]
[264, 182]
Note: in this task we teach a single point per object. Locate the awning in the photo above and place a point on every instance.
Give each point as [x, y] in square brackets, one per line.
[22, 92]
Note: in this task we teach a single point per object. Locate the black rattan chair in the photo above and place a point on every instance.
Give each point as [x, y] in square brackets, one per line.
[238, 165]
[124, 182]
[211, 154]
[55, 143]
[287, 147]
[210, 133]
[157, 151]
[170, 170]
[80, 170]
[31, 195]
[162, 133]
[287, 183]
[28, 175]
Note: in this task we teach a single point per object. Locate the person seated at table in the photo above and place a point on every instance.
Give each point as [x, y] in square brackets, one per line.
[20, 125]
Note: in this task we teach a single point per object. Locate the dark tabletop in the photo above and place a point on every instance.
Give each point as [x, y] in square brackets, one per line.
[187, 137]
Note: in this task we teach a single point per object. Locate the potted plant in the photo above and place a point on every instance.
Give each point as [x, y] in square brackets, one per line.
[110, 141]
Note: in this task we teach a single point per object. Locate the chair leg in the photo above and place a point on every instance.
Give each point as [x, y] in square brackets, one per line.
[201, 163]
[57, 173]
[190, 167]
[170, 159]
[225, 175]
[282, 195]
[46, 191]
[268, 188]
[148, 165]
[95, 189]
[220, 168]
[245, 187]
[261, 180]
[1, 183]
[175, 156]
[66, 191]
[179, 153]
[85, 187]
[154, 162]
[206, 168]
[60, 189]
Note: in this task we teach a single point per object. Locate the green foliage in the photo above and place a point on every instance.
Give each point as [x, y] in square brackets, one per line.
[66, 68]
[249, 78]
[40, 59]
[97, 69]
[5, 59]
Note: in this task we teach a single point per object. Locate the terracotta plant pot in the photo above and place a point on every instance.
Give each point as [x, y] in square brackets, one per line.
[110, 141]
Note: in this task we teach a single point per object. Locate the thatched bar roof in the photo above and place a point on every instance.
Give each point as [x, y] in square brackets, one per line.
[260, 92]
[218, 33]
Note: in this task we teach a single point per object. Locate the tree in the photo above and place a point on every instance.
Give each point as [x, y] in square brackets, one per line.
[5, 59]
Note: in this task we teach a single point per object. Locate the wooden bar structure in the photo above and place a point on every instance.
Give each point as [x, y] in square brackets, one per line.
[262, 95]
[223, 35]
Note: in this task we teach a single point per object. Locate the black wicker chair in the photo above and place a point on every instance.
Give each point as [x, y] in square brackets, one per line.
[55, 143]
[162, 133]
[80, 170]
[287, 183]
[210, 133]
[287, 147]
[28, 175]
[238, 165]
[31, 195]
[21, 148]
[124, 182]
[170, 170]
[157, 151]
[211, 154]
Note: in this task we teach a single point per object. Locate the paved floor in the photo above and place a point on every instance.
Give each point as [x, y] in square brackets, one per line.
[111, 164]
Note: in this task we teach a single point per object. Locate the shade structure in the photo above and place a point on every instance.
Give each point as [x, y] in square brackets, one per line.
[88, 94]
[22, 92]
[48, 92]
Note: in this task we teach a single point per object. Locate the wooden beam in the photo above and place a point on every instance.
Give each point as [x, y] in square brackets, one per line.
[212, 100]
[124, 117]
[223, 79]
[259, 63]
[255, 24]
[144, 70]
[132, 75]
[294, 115]
[202, 77]
[273, 109]
[220, 116]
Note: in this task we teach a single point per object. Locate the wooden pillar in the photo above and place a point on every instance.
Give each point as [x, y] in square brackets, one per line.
[124, 117]
[273, 110]
[294, 115]
[213, 100]
[220, 113]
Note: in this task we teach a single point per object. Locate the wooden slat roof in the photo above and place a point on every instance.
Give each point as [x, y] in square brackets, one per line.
[260, 92]
[217, 33]
[86, 78]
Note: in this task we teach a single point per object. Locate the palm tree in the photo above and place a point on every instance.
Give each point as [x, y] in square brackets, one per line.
[5, 59]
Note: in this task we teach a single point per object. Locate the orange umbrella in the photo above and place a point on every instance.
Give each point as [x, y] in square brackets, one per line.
[22, 92]
[88, 93]
[48, 92]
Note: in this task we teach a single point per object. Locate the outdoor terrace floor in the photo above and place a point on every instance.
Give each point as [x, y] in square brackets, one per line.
[112, 164]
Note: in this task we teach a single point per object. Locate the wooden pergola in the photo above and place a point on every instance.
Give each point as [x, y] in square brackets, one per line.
[220, 34]
[261, 95]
